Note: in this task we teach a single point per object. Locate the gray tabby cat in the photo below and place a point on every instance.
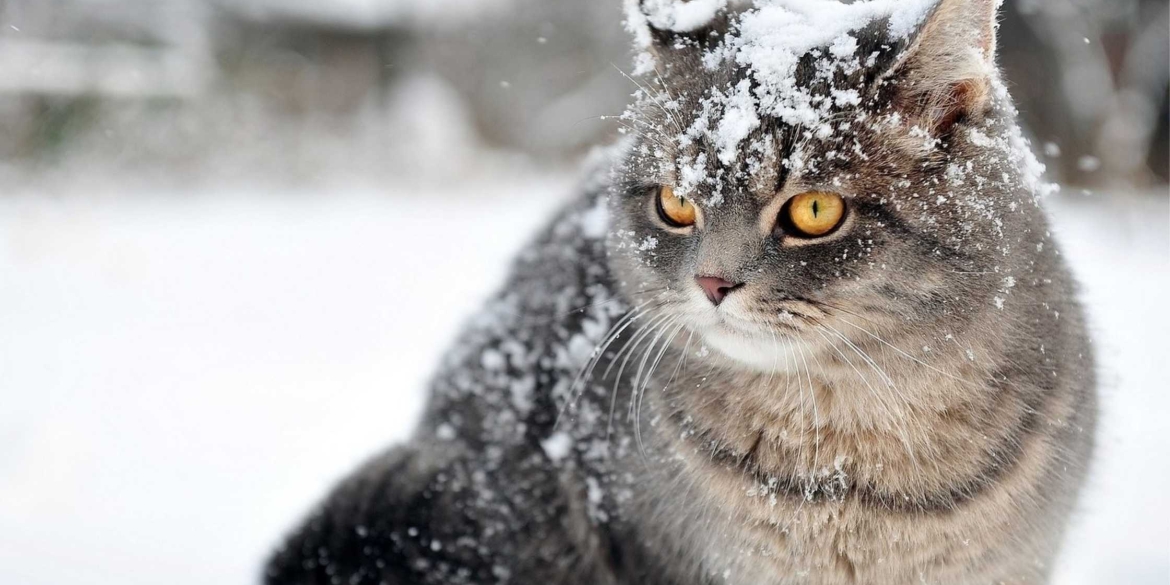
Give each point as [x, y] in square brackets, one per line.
[810, 329]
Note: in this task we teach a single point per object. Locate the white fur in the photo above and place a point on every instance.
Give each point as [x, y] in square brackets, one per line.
[760, 353]
[724, 330]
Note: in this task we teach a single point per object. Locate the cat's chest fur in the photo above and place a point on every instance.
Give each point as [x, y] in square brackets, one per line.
[761, 479]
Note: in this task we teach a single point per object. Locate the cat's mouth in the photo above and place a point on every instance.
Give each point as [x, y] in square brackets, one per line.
[737, 325]
[738, 315]
[770, 340]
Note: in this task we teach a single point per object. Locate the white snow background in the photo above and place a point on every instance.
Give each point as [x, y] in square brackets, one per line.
[183, 374]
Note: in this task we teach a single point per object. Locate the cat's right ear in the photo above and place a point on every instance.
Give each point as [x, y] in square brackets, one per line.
[669, 27]
[945, 75]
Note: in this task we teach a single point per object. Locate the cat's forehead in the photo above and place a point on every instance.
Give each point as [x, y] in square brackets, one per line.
[721, 158]
[778, 91]
[785, 60]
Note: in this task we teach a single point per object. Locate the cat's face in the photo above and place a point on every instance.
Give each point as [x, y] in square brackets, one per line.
[866, 186]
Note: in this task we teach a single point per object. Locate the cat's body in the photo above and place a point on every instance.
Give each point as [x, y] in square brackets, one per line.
[908, 399]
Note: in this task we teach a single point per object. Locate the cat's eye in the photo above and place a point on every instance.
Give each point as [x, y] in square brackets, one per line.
[814, 214]
[674, 210]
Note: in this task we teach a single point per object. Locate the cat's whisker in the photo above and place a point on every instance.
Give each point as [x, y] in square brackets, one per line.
[557, 317]
[638, 375]
[666, 87]
[864, 355]
[653, 96]
[603, 117]
[896, 349]
[648, 128]
[803, 423]
[628, 351]
[577, 388]
[682, 363]
[908, 356]
[840, 309]
[816, 359]
[805, 480]
[651, 127]
[616, 299]
[654, 135]
[772, 372]
[898, 417]
[898, 394]
[614, 331]
[789, 359]
[816, 416]
[645, 383]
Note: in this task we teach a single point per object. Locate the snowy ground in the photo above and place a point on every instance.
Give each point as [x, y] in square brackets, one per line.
[182, 375]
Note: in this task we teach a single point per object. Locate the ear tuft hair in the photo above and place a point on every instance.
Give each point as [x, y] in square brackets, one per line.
[681, 16]
[664, 25]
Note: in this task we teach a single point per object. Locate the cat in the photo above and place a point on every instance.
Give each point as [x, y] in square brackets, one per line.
[805, 325]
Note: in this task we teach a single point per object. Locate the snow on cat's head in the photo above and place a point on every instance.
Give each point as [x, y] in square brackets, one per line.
[795, 167]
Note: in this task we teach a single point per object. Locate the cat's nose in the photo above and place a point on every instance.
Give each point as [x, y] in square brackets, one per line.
[716, 288]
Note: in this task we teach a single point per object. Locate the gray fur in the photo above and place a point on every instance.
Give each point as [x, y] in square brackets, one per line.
[931, 421]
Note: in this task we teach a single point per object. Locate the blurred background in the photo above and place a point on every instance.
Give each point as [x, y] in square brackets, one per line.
[290, 90]
[235, 236]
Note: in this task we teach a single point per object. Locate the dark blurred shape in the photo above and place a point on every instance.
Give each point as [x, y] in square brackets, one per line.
[292, 88]
[1090, 78]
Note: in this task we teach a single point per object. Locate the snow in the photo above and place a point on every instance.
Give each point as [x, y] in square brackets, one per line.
[739, 120]
[595, 221]
[493, 360]
[1120, 249]
[767, 42]
[681, 16]
[183, 374]
[782, 28]
[557, 446]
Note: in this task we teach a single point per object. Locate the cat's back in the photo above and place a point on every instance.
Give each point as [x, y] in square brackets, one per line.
[477, 496]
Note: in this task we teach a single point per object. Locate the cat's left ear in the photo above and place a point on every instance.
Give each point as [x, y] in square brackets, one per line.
[670, 27]
[945, 76]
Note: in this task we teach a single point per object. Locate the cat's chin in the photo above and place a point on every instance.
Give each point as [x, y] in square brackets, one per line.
[756, 352]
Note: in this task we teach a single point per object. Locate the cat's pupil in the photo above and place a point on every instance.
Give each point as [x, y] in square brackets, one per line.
[816, 208]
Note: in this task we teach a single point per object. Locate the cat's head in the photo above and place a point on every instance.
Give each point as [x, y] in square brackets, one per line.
[794, 167]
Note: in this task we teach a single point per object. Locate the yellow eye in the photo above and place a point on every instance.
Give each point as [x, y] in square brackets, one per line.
[674, 210]
[816, 213]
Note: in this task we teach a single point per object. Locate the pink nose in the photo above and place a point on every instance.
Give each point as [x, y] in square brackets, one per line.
[716, 288]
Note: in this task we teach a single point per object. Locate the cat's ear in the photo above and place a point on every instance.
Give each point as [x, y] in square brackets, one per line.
[945, 75]
[668, 27]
